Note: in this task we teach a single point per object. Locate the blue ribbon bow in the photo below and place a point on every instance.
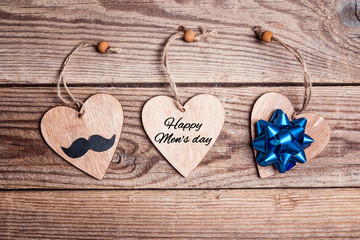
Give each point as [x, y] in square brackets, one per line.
[281, 142]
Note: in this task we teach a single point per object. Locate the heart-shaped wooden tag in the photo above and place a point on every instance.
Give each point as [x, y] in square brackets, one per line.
[183, 138]
[89, 142]
[316, 127]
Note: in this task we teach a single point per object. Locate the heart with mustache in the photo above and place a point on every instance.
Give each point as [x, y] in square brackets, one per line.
[316, 127]
[183, 138]
[89, 142]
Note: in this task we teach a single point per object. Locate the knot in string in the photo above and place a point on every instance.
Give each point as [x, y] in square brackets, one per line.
[268, 36]
[182, 31]
[103, 47]
[203, 36]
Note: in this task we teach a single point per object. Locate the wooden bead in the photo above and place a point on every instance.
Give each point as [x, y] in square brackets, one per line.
[267, 36]
[189, 36]
[103, 46]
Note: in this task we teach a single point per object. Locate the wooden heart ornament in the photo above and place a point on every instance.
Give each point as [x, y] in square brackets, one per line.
[183, 138]
[89, 142]
[316, 127]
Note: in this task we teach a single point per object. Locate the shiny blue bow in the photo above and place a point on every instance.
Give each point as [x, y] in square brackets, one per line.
[281, 142]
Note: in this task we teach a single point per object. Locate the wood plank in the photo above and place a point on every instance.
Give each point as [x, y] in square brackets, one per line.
[27, 162]
[38, 35]
[235, 214]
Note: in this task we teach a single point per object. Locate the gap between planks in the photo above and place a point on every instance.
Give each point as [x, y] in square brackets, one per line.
[172, 189]
[165, 85]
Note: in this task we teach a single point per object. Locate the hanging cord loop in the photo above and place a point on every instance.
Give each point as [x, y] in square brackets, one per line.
[268, 36]
[189, 36]
[102, 47]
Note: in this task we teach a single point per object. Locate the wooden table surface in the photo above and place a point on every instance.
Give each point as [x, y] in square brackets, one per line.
[43, 196]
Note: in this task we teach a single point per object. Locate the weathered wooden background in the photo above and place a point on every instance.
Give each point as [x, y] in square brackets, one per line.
[42, 196]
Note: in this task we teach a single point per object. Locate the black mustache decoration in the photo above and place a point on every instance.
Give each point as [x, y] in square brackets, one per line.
[81, 146]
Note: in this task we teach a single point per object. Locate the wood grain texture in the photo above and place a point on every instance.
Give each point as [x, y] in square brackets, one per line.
[37, 36]
[234, 214]
[183, 148]
[27, 162]
[316, 126]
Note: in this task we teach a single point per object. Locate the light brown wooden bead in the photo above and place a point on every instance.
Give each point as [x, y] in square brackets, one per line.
[189, 36]
[267, 36]
[103, 46]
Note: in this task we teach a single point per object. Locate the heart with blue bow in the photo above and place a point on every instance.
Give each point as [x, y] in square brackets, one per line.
[281, 142]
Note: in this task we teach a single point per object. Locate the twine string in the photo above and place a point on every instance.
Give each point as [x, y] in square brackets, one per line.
[307, 83]
[74, 101]
[203, 36]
